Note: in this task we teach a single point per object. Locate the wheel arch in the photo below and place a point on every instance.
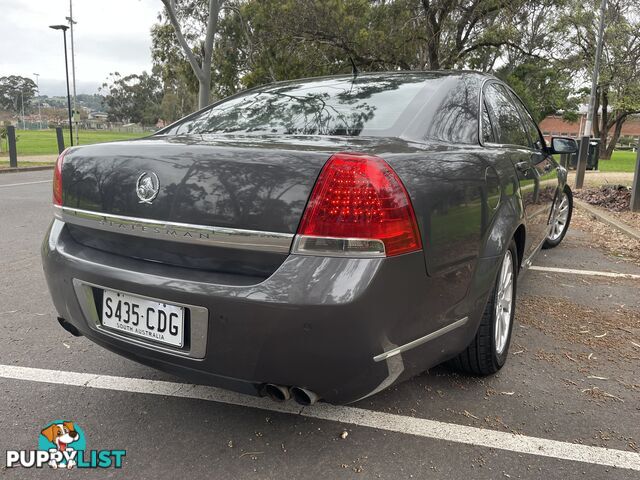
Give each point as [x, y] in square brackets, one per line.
[520, 237]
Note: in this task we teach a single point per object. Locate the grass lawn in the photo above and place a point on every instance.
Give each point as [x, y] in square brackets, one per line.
[43, 142]
[5, 164]
[620, 162]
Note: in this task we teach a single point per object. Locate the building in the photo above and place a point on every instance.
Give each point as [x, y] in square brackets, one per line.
[556, 126]
[97, 121]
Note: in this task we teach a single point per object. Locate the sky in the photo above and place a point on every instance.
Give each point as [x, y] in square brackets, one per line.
[109, 36]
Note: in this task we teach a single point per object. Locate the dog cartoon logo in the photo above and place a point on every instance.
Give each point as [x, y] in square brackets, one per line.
[63, 444]
[61, 435]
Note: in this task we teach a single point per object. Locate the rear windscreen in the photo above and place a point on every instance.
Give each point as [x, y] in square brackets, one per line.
[366, 105]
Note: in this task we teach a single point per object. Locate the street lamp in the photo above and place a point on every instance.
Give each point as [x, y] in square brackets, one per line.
[64, 29]
[24, 125]
[37, 75]
[72, 22]
[581, 166]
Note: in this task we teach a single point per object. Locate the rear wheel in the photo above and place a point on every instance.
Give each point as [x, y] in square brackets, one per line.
[487, 352]
[560, 223]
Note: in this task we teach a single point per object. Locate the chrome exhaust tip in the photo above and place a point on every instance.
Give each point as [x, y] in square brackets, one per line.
[277, 393]
[303, 396]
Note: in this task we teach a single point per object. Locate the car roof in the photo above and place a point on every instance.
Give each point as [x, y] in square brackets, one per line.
[393, 73]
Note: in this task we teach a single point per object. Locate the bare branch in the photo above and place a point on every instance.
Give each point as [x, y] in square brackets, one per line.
[170, 6]
[515, 46]
[212, 27]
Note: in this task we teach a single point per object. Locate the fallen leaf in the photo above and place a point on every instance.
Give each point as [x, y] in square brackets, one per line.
[570, 357]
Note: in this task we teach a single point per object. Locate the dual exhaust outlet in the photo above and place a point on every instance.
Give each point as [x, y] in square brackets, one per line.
[279, 393]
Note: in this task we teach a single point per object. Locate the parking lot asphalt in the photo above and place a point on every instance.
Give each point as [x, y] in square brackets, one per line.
[572, 377]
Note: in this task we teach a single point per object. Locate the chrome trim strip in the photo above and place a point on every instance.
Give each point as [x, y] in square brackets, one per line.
[421, 340]
[199, 322]
[178, 232]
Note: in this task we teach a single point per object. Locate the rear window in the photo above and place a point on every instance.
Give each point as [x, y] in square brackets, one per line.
[367, 105]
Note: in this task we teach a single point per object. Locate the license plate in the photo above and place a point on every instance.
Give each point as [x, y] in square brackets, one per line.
[151, 319]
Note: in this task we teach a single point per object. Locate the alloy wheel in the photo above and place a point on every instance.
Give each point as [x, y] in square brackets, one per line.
[561, 218]
[504, 304]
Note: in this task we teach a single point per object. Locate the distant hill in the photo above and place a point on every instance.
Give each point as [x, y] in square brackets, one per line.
[91, 101]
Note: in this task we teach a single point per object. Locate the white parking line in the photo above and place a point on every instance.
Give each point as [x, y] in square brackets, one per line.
[592, 273]
[25, 183]
[357, 416]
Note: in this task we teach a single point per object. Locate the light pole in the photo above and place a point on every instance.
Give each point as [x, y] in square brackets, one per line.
[64, 29]
[581, 167]
[73, 66]
[37, 75]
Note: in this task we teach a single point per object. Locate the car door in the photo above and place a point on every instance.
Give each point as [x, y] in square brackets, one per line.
[545, 166]
[513, 140]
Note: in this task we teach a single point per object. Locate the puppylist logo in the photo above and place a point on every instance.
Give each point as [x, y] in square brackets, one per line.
[63, 444]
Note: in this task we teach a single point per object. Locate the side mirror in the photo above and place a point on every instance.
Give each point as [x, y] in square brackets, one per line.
[563, 145]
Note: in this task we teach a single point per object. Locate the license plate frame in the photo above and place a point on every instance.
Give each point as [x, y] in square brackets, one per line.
[154, 320]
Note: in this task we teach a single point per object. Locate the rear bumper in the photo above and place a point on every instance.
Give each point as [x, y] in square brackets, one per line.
[317, 322]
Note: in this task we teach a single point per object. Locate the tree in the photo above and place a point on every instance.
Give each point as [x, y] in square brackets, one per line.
[13, 89]
[456, 30]
[544, 87]
[618, 91]
[133, 98]
[190, 20]
[262, 41]
[536, 68]
[268, 40]
[180, 85]
[175, 105]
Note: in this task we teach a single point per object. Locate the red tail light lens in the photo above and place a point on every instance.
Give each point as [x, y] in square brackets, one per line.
[57, 180]
[359, 197]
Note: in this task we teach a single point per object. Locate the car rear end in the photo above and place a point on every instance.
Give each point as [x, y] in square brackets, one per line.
[242, 261]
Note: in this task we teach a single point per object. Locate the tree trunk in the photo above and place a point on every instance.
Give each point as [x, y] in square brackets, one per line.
[596, 115]
[604, 130]
[202, 70]
[204, 92]
[433, 35]
[614, 139]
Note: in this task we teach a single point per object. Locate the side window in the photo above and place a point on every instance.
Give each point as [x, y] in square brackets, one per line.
[487, 127]
[536, 140]
[509, 128]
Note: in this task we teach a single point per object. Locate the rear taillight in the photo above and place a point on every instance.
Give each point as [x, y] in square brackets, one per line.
[57, 180]
[358, 207]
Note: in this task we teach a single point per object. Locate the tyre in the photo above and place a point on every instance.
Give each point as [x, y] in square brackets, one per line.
[560, 223]
[487, 352]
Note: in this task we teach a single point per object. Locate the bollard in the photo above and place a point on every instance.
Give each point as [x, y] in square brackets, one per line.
[60, 138]
[13, 152]
[581, 166]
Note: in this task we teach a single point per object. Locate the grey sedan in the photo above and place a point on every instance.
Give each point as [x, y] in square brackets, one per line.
[317, 239]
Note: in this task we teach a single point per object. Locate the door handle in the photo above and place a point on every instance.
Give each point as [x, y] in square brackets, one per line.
[523, 166]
